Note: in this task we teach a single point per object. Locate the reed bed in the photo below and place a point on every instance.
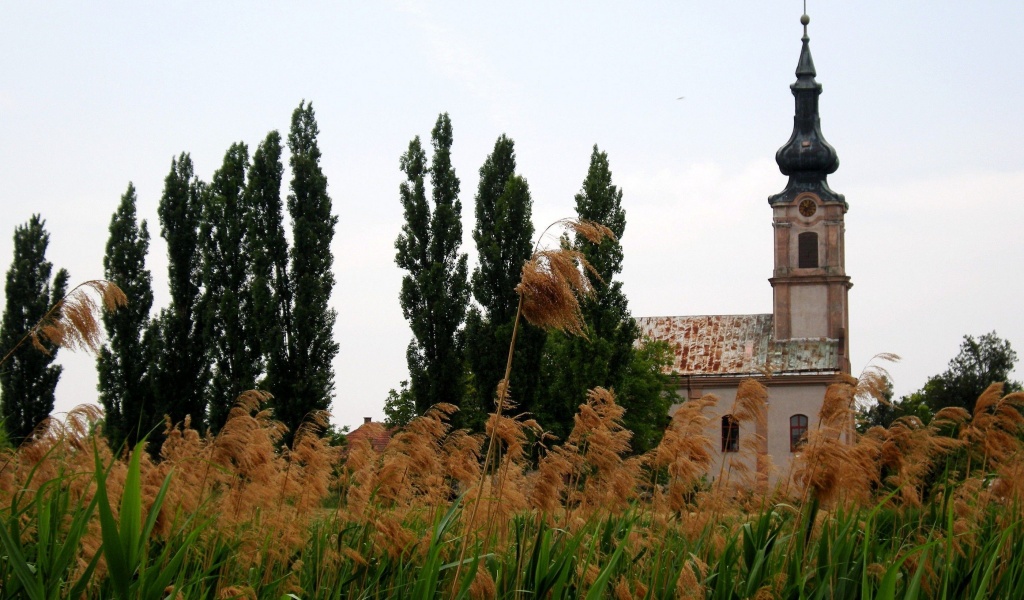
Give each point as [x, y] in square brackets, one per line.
[911, 511]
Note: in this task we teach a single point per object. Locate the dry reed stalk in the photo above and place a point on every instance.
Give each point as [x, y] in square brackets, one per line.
[548, 292]
[993, 433]
[688, 584]
[601, 479]
[74, 321]
[511, 434]
[909, 451]
[483, 584]
[816, 467]
[685, 450]
[751, 407]
[360, 474]
[461, 458]
[549, 483]
[413, 467]
[313, 458]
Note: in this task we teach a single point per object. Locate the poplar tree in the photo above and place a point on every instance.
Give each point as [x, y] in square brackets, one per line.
[27, 376]
[608, 356]
[183, 368]
[125, 389]
[311, 345]
[435, 290]
[227, 277]
[269, 317]
[504, 241]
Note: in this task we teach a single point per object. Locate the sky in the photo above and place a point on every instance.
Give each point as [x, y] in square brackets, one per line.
[922, 101]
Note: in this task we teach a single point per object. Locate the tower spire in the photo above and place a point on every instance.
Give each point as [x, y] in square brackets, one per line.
[806, 158]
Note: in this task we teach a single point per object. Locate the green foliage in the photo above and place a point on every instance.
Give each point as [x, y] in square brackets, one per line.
[309, 383]
[227, 277]
[138, 569]
[883, 414]
[608, 357]
[27, 377]
[435, 290]
[183, 365]
[40, 540]
[504, 241]
[270, 316]
[122, 363]
[980, 362]
[399, 408]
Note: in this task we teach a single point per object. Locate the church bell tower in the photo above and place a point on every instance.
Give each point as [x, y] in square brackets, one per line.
[809, 284]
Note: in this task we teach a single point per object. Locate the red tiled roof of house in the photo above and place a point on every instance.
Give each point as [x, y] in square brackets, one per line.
[377, 433]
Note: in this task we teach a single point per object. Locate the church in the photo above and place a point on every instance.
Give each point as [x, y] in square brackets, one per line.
[799, 348]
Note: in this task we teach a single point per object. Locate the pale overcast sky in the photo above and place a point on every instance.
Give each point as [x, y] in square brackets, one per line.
[922, 100]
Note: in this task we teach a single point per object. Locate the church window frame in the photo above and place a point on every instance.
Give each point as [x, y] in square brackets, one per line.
[730, 434]
[798, 425]
[807, 250]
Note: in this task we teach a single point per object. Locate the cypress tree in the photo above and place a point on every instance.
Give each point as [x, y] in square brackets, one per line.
[435, 291]
[504, 240]
[27, 377]
[124, 386]
[311, 345]
[183, 369]
[608, 357]
[227, 277]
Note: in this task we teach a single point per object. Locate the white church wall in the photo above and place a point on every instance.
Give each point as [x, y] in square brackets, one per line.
[809, 306]
[784, 401]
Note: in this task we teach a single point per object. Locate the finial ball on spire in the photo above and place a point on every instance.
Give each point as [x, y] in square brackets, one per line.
[804, 20]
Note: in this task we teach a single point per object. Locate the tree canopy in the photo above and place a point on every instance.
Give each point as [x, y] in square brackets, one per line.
[27, 377]
[123, 363]
[435, 289]
[980, 362]
[504, 241]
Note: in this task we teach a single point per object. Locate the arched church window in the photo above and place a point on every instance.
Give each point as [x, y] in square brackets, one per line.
[797, 432]
[807, 243]
[730, 434]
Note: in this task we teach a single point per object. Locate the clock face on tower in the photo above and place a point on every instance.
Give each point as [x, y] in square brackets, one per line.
[808, 207]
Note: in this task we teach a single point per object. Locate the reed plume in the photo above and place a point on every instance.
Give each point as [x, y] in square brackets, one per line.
[74, 321]
[685, 451]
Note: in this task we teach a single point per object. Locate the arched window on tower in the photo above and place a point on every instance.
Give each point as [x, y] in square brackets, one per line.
[797, 432]
[807, 243]
[730, 434]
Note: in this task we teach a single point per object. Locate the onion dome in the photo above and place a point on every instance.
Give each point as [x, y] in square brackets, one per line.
[806, 158]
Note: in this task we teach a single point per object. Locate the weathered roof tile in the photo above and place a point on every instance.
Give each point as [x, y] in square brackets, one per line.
[737, 345]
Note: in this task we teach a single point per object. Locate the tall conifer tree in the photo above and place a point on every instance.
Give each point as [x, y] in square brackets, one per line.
[609, 357]
[183, 369]
[435, 291]
[504, 240]
[27, 377]
[227, 274]
[311, 345]
[125, 389]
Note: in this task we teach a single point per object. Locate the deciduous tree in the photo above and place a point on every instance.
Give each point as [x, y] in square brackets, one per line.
[311, 345]
[504, 241]
[981, 361]
[125, 387]
[270, 315]
[27, 376]
[435, 290]
[227, 275]
[607, 357]
[183, 369]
